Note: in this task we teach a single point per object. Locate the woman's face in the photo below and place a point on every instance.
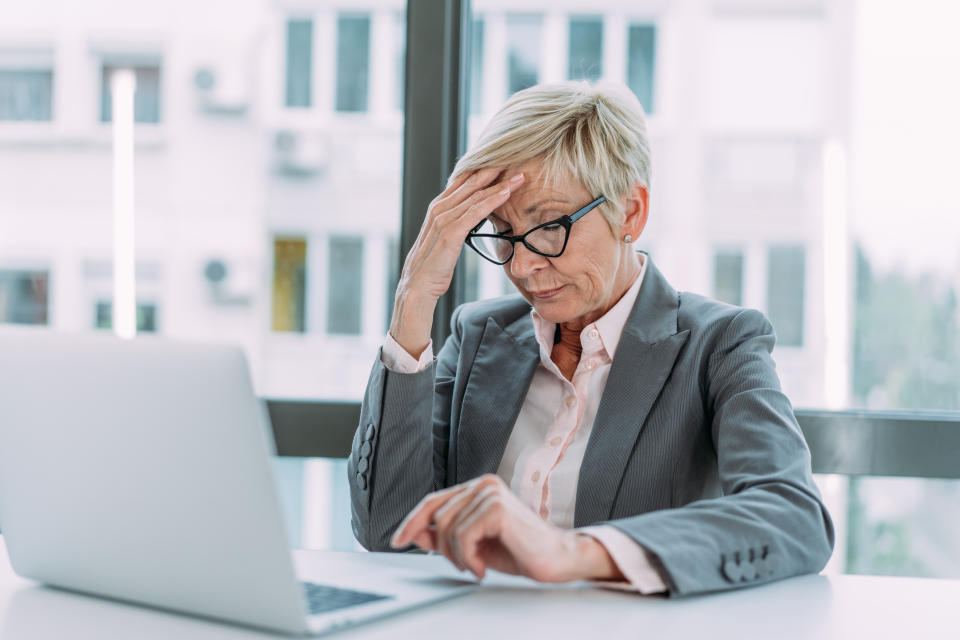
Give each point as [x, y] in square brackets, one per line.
[594, 270]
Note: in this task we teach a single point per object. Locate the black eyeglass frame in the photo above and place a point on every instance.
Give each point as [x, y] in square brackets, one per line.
[565, 221]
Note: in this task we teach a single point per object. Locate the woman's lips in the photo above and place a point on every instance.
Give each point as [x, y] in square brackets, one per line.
[544, 294]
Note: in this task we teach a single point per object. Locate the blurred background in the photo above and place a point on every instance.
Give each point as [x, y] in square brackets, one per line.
[804, 163]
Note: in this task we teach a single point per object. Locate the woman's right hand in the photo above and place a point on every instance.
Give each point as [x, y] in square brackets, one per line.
[428, 268]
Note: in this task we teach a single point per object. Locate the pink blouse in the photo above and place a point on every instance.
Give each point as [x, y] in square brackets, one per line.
[542, 459]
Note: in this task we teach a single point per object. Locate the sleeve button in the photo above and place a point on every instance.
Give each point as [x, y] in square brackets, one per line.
[365, 449]
[362, 481]
[369, 433]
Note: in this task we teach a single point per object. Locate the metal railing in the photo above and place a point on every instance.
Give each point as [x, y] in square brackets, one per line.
[875, 443]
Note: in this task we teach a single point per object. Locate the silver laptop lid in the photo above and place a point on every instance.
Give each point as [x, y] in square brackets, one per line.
[139, 470]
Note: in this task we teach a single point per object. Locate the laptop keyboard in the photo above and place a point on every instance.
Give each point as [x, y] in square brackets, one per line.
[322, 598]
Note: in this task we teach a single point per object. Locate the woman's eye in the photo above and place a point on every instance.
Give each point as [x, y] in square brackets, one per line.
[552, 227]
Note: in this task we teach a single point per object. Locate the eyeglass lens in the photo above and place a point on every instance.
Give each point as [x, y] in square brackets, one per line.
[547, 240]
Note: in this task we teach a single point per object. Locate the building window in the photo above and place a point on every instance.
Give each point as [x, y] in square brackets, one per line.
[26, 95]
[585, 60]
[728, 277]
[146, 98]
[289, 284]
[24, 297]
[345, 286]
[786, 268]
[146, 316]
[393, 277]
[641, 51]
[299, 91]
[400, 54]
[353, 62]
[523, 52]
[476, 66]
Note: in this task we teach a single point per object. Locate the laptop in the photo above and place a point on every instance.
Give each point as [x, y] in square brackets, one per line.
[141, 471]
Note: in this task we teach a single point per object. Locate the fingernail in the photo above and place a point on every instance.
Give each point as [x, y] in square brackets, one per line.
[517, 178]
[504, 192]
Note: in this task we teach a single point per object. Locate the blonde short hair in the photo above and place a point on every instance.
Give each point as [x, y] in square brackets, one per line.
[594, 134]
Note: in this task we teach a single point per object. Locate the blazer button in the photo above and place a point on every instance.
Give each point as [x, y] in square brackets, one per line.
[363, 465]
[369, 433]
[365, 449]
[362, 481]
[770, 564]
[730, 570]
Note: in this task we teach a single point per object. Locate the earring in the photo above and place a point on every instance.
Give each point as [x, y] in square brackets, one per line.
[628, 238]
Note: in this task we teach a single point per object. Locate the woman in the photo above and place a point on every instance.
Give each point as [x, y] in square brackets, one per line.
[600, 425]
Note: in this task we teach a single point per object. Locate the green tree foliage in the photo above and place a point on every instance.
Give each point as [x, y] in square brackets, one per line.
[905, 348]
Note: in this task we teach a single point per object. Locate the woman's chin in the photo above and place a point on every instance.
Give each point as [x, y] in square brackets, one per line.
[553, 311]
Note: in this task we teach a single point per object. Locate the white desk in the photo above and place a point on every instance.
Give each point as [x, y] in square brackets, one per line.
[811, 607]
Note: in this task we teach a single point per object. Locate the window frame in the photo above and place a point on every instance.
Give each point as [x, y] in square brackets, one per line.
[853, 442]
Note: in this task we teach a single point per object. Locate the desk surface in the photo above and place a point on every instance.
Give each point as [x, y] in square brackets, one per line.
[810, 607]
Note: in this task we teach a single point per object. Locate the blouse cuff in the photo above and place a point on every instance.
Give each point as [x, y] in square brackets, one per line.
[396, 359]
[634, 562]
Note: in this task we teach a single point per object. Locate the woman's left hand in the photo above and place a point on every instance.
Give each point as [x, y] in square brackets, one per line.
[482, 525]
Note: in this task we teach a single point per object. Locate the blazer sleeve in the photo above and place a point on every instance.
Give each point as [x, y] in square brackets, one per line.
[399, 451]
[770, 522]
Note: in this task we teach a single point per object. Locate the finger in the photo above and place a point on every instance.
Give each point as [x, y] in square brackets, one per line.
[426, 539]
[445, 518]
[452, 197]
[421, 515]
[484, 523]
[454, 181]
[468, 214]
[464, 515]
[472, 212]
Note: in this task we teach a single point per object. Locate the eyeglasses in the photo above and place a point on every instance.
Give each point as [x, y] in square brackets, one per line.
[548, 239]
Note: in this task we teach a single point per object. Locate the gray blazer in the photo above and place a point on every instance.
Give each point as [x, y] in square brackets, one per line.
[695, 453]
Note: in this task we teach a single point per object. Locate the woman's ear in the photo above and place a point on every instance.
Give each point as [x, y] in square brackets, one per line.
[635, 210]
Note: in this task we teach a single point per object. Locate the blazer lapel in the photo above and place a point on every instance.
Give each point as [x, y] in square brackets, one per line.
[644, 358]
[498, 383]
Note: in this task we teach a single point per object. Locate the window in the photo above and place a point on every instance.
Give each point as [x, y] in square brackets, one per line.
[24, 297]
[299, 63]
[728, 276]
[400, 55]
[26, 94]
[146, 316]
[353, 62]
[476, 66]
[146, 98]
[641, 49]
[289, 284]
[345, 287]
[786, 268]
[523, 52]
[393, 277]
[585, 49]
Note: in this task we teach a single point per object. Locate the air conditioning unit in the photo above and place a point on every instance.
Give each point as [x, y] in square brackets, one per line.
[300, 153]
[230, 283]
[222, 89]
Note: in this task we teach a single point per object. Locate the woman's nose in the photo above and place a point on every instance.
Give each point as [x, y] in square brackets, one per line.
[525, 262]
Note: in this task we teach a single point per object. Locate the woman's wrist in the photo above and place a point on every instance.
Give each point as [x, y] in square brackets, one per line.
[596, 561]
[411, 322]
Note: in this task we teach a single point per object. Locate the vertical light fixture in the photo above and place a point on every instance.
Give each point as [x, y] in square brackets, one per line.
[836, 268]
[123, 84]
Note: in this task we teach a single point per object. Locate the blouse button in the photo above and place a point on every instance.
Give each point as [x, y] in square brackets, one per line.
[594, 333]
[535, 476]
[570, 401]
[555, 442]
[590, 365]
